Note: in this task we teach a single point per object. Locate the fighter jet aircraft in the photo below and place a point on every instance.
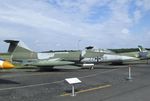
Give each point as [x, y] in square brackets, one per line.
[5, 64]
[106, 56]
[87, 58]
[141, 54]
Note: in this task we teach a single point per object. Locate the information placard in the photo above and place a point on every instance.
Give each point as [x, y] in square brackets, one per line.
[73, 80]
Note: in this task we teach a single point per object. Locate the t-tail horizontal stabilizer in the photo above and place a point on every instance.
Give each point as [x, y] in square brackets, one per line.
[12, 45]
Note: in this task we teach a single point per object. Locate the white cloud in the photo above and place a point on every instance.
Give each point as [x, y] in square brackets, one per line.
[32, 18]
[125, 31]
[6, 33]
[62, 22]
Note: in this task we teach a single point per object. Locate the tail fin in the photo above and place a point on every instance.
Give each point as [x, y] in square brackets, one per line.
[20, 51]
[17, 46]
[143, 53]
[141, 49]
[12, 45]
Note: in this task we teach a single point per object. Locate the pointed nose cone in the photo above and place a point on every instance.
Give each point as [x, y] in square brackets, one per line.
[7, 65]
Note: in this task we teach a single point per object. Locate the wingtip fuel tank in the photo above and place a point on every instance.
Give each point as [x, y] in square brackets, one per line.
[5, 64]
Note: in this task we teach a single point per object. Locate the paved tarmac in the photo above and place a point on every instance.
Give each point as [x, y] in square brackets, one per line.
[104, 83]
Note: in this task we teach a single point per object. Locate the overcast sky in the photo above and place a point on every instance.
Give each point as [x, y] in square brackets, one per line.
[73, 24]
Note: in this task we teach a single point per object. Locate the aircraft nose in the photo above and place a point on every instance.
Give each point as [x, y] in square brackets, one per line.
[7, 65]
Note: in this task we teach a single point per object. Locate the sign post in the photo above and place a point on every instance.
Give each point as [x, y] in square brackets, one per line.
[72, 82]
[73, 92]
[129, 73]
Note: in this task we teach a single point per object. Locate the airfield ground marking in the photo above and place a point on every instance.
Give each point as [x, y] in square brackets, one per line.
[42, 84]
[88, 90]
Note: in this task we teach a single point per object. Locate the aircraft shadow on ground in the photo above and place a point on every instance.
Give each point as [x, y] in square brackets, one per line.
[48, 69]
[51, 70]
[106, 67]
[3, 81]
[56, 70]
[68, 70]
